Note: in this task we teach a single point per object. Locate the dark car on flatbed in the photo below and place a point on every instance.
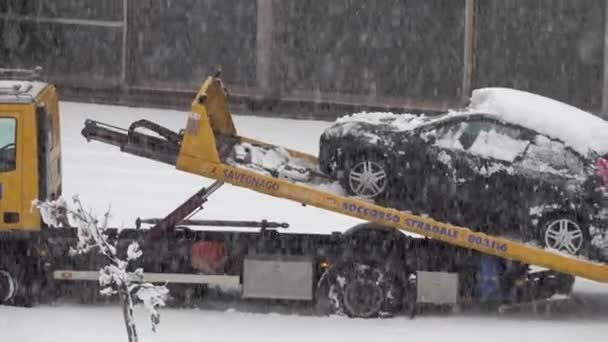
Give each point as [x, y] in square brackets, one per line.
[512, 163]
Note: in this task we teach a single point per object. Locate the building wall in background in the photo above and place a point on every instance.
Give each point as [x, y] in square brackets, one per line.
[76, 42]
[176, 44]
[551, 47]
[424, 55]
[373, 50]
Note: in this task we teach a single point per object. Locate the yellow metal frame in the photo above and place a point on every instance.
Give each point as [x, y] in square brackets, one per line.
[199, 155]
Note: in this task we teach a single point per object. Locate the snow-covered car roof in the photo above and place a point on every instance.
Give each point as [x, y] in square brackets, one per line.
[582, 131]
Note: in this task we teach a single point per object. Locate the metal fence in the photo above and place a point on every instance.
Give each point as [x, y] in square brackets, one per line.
[410, 54]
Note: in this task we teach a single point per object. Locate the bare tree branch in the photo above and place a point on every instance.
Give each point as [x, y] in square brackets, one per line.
[114, 278]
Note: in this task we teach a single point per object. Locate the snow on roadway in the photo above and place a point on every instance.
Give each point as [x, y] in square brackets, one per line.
[70, 323]
[139, 187]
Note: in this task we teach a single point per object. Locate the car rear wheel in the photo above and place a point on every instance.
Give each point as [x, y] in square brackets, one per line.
[366, 177]
[566, 234]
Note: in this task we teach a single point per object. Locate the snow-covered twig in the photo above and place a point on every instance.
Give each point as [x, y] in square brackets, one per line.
[114, 278]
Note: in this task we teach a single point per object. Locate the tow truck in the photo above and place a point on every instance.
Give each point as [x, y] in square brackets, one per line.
[373, 269]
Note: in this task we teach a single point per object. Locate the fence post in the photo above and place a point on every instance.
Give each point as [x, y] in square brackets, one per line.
[124, 46]
[469, 48]
[264, 46]
[604, 111]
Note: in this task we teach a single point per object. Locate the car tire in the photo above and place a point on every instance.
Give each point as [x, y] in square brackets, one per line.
[565, 233]
[366, 175]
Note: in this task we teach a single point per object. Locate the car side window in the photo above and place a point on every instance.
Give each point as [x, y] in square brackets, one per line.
[447, 135]
[494, 140]
[484, 138]
[552, 156]
[8, 147]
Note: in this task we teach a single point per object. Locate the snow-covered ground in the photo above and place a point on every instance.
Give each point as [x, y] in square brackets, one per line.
[134, 187]
[93, 324]
[70, 323]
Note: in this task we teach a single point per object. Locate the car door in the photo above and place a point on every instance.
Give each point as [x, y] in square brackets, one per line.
[478, 154]
[547, 167]
[447, 168]
[495, 191]
[10, 175]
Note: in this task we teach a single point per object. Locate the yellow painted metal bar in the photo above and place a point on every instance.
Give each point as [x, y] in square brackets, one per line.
[455, 235]
[208, 164]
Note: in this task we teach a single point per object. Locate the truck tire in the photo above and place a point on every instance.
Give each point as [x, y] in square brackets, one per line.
[565, 284]
[8, 286]
[18, 275]
[361, 290]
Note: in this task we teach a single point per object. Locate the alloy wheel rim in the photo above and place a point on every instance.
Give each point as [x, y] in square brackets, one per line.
[564, 235]
[367, 179]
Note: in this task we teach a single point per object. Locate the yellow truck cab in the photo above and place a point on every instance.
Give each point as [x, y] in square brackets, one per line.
[30, 152]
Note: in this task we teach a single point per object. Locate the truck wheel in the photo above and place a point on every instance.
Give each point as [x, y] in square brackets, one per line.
[365, 291]
[564, 283]
[8, 286]
[363, 297]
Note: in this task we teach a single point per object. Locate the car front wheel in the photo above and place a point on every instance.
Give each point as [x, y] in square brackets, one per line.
[366, 177]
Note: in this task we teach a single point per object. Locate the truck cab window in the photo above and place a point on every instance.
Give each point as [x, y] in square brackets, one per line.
[8, 147]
